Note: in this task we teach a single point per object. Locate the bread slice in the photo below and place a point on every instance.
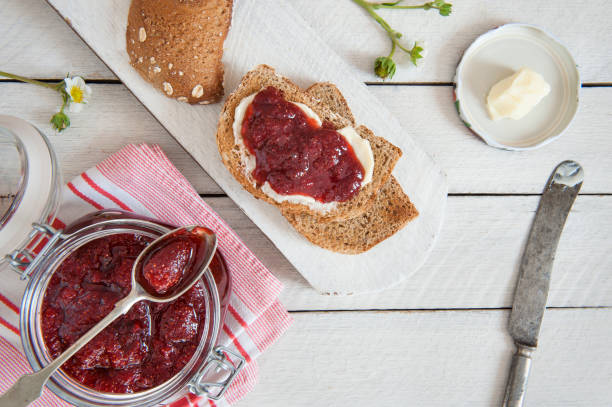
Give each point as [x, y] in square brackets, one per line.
[177, 45]
[391, 211]
[319, 99]
[328, 94]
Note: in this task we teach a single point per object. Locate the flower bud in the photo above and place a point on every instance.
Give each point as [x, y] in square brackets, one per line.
[384, 67]
[60, 121]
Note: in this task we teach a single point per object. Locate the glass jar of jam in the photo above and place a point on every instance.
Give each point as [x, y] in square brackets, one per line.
[164, 350]
[153, 354]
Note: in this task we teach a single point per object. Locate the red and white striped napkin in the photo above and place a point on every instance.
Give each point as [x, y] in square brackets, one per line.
[141, 179]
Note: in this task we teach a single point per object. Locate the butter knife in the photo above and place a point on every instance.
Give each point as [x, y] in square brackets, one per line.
[534, 274]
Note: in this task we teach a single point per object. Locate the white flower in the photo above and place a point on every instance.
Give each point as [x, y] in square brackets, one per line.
[78, 92]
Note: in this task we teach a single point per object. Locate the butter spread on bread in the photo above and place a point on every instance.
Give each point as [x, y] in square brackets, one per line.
[359, 146]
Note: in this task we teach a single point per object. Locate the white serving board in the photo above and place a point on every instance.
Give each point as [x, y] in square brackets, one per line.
[272, 32]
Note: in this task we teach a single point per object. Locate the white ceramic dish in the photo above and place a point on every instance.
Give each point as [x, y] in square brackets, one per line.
[498, 54]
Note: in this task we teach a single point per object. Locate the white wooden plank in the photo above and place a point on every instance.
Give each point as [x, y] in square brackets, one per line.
[582, 25]
[115, 118]
[31, 33]
[475, 261]
[428, 115]
[433, 359]
[297, 52]
[447, 280]
[36, 42]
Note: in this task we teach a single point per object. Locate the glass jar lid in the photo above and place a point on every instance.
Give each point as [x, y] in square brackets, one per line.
[29, 182]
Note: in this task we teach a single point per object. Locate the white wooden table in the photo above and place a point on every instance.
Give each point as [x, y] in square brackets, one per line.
[438, 339]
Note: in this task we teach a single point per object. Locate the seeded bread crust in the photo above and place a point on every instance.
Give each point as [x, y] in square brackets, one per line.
[391, 211]
[177, 46]
[317, 97]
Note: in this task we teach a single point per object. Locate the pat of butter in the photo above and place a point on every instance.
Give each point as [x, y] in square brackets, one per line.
[360, 146]
[516, 95]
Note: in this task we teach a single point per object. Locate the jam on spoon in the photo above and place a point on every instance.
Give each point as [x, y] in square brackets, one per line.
[165, 268]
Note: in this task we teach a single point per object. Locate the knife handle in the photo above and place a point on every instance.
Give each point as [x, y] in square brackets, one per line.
[519, 373]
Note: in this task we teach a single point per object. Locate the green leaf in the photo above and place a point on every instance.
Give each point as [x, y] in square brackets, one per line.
[446, 10]
[443, 7]
[415, 54]
[392, 4]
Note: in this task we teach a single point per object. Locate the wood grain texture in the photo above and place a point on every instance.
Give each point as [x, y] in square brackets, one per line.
[359, 40]
[474, 264]
[36, 42]
[31, 32]
[475, 261]
[112, 119]
[428, 115]
[298, 53]
[115, 118]
[457, 358]
[432, 359]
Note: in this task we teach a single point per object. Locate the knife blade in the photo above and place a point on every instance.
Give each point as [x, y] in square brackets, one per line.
[534, 273]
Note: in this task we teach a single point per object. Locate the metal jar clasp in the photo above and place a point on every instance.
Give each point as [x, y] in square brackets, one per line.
[23, 260]
[218, 373]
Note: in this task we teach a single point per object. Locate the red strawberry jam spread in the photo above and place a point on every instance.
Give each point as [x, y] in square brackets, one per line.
[296, 155]
[142, 349]
[165, 268]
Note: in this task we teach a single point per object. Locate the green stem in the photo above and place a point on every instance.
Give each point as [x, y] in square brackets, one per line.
[28, 80]
[425, 6]
[401, 7]
[390, 31]
[368, 7]
[404, 48]
[392, 49]
[64, 103]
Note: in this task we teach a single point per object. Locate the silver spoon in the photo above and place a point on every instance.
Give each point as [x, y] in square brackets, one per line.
[181, 273]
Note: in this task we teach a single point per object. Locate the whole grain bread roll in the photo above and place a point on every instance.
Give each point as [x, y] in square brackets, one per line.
[177, 46]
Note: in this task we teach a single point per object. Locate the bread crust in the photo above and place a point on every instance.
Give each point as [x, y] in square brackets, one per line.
[317, 97]
[391, 211]
[177, 46]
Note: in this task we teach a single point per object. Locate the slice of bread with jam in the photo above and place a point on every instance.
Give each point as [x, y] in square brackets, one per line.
[327, 102]
[389, 213]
